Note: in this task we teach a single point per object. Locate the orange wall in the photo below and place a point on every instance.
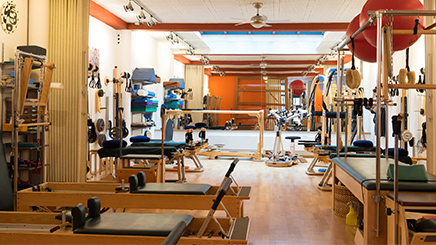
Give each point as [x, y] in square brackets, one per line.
[224, 87]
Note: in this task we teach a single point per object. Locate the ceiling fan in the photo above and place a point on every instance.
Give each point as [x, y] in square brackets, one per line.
[259, 21]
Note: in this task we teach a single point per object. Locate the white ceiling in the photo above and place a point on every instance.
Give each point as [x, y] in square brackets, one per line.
[294, 48]
[225, 11]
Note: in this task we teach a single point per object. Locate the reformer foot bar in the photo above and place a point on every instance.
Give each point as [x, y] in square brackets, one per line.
[124, 227]
[69, 194]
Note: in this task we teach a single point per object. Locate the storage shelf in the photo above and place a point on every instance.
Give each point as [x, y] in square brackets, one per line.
[142, 112]
[29, 168]
[134, 97]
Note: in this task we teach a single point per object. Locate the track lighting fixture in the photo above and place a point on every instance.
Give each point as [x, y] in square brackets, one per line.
[305, 74]
[141, 16]
[265, 77]
[223, 74]
[204, 60]
[311, 68]
[128, 7]
[190, 50]
[215, 68]
[152, 21]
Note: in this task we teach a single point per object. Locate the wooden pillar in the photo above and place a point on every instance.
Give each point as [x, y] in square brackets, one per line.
[430, 68]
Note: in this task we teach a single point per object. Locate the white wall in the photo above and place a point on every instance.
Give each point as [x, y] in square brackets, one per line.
[19, 37]
[136, 49]
[104, 38]
[38, 23]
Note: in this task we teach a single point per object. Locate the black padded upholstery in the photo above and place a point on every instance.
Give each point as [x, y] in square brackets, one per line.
[133, 224]
[79, 216]
[141, 178]
[173, 188]
[363, 170]
[292, 138]
[94, 207]
[350, 148]
[6, 193]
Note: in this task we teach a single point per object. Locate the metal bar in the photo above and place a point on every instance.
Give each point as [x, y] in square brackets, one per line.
[404, 12]
[338, 108]
[370, 20]
[396, 218]
[379, 16]
[19, 52]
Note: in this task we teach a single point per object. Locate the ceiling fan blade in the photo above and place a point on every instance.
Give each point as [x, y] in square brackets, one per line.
[277, 21]
[242, 23]
[240, 19]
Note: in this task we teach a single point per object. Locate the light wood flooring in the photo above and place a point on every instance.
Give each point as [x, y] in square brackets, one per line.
[285, 206]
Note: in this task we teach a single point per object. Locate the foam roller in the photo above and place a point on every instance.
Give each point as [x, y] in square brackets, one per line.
[411, 77]
[402, 76]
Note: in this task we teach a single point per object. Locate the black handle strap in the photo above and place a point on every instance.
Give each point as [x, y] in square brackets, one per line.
[352, 52]
[415, 28]
[407, 60]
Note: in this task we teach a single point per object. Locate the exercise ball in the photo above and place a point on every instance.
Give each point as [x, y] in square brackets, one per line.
[362, 49]
[400, 42]
[297, 87]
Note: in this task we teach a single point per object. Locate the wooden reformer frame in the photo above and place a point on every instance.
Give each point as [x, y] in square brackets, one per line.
[213, 154]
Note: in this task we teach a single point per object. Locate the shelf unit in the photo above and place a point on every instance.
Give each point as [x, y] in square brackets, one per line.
[141, 123]
[24, 112]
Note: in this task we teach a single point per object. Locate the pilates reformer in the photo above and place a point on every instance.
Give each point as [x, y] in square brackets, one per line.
[68, 194]
[359, 176]
[173, 152]
[212, 153]
[128, 228]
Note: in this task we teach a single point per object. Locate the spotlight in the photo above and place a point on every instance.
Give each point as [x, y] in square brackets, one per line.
[222, 74]
[204, 60]
[265, 77]
[141, 16]
[128, 7]
[152, 21]
[305, 74]
[190, 50]
[263, 72]
[311, 68]
[216, 68]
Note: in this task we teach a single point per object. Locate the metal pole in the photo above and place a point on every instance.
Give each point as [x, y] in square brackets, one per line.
[396, 218]
[338, 108]
[377, 197]
[368, 22]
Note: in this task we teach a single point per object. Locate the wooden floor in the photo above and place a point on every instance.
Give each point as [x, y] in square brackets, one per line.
[285, 207]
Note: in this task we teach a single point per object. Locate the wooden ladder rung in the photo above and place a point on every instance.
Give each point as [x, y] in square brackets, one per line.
[34, 104]
[34, 124]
